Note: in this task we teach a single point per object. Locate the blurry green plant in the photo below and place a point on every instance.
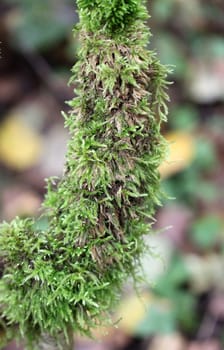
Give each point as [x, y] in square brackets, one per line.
[67, 277]
[39, 25]
[164, 314]
[170, 49]
[184, 117]
[206, 232]
[191, 184]
[173, 286]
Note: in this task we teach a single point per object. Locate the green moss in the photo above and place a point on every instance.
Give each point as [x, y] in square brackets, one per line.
[70, 275]
[111, 15]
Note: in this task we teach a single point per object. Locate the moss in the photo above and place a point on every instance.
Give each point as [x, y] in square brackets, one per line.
[113, 16]
[70, 275]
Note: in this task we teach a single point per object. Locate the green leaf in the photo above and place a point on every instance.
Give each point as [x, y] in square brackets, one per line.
[206, 231]
[176, 274]
[205, 154]
[170, 51]
[184, 118]
[159, 319]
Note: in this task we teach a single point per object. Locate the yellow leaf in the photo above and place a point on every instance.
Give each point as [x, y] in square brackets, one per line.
[132, 311]
[20, 146]
[134, 308]
[181, 153]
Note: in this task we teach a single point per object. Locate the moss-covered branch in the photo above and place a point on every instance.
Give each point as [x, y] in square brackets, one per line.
[70, 275]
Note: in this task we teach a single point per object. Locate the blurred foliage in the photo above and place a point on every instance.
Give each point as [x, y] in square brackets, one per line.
[171, 286]
[206, 231]
[184, 117]
[159, 319]
[171, 50]
[191, 184]
[39, 25]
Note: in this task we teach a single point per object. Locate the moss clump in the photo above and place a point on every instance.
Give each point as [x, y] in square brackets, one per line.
[111, 15]
[70, 275]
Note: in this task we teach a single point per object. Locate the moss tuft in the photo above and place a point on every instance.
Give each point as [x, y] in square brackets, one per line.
[111, 15]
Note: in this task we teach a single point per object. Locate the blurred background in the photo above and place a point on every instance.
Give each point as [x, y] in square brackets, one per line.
[181, 303]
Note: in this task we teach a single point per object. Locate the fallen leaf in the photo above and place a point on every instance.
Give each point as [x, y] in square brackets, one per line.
[131, 311]
[181, 153]
[20, 146]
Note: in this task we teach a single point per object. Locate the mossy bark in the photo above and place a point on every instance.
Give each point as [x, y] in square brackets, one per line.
[71, 274]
